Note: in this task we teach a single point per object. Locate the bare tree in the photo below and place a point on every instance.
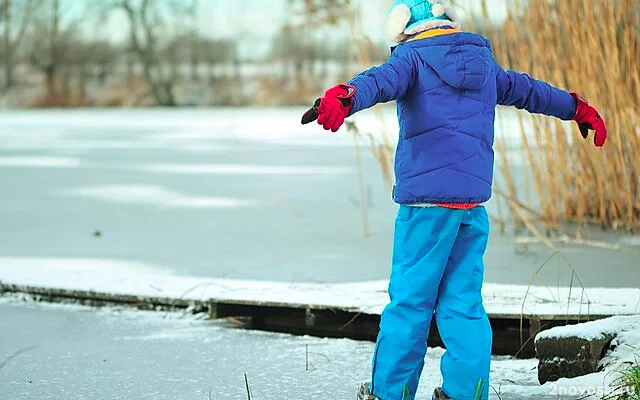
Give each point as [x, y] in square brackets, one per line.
[103, 56]
[86, 60]
[294, 51]
[216, 52]
[322, 12]
[51, 41]
[15, 16]
[304, 49]
[147, 21]
[193, 34]
[210, 52]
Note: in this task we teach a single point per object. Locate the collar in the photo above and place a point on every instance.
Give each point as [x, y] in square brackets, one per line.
[433, 32]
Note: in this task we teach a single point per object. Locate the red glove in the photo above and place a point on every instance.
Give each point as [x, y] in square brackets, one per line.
[587, 118]
[333, 108]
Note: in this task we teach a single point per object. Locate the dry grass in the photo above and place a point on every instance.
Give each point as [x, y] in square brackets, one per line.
[587, 46]
[591, 47]
[575, 283]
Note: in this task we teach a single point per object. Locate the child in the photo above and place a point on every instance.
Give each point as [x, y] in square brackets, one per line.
[446, 84]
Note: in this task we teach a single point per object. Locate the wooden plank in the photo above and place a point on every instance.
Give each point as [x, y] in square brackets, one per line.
[98, 299]
[305, 319]
[165, 302]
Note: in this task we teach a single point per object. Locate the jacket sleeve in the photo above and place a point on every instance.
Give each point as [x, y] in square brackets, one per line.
[537, 97]
[387, 82]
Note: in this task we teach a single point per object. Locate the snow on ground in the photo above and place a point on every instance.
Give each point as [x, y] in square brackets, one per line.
[173, 356]
[238, 169]
[176, 127]
[39, 162]
[592, 330]
[633, 241]
[151, 195]
[624, 354]
[215, 130]
[118, 277]
[220, 130]
[139, 346]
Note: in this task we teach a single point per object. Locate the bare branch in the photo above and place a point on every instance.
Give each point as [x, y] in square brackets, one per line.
[27, 15]
[4, 6]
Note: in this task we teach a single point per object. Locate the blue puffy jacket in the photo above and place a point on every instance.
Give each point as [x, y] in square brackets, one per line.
[447, 88]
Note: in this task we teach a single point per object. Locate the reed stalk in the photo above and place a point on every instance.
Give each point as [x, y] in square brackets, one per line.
[592, 47]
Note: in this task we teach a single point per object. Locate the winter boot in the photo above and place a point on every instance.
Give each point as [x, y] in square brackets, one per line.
[438, 394]
[364, 393]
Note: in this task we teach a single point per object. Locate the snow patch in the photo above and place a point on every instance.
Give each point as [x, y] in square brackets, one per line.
[543, 300]
[151, 195]
[32, 267]
[213, 130]
[592, 330]
[512, 378]
[201, 333]
[198, 134]
[38, 162]
[633, 241]
[244, 169]
[125, 278]
[606, 383]
[327, 356]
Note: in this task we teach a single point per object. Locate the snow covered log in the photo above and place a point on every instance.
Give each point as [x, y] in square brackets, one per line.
[573, 350]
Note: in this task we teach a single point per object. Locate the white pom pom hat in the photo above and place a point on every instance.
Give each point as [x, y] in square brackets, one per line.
[410, 17]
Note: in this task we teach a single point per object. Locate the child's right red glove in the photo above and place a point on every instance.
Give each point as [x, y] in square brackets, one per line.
[587, 118]
[333, 108]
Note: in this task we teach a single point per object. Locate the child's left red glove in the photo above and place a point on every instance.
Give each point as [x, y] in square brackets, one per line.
[587, 118]
[333, 108]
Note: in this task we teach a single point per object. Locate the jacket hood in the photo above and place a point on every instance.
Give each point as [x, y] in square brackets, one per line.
[462, 60]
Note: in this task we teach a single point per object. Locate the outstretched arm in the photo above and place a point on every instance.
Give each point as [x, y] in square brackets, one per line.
[524, 92]
[390, 81]
[387, 82]
[538, 97]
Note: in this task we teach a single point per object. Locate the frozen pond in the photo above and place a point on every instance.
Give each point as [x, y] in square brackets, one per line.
[244, 193]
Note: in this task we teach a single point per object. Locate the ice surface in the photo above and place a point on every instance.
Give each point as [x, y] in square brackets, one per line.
[115, 354]
[280, 126]
[633, 241]
[76, 265]
[152, 195]
[39, 162]
[307, 227]
[368, 297]
[169, 359]
[239, 169]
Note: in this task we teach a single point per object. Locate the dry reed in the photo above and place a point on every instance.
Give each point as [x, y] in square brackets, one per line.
[588, 46]
[591, 47]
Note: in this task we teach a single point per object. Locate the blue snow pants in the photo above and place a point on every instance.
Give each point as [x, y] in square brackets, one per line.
[437, 269]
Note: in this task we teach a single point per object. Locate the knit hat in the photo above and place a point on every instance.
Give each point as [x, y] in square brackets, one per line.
[410, 17]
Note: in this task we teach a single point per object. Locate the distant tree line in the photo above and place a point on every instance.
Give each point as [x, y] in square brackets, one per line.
[64, 46]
